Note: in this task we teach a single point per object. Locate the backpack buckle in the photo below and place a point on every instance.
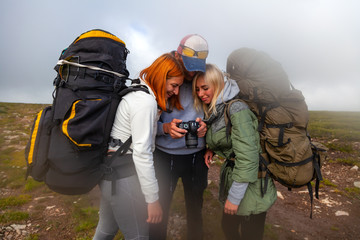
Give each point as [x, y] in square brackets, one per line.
[114, 142]
[119, 83]
[108, 170]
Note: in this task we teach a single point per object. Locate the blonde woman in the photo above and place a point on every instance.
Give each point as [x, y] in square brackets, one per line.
[240, 187]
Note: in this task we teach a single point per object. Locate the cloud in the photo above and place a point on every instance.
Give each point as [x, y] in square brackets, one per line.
[142, 52]
[315, 41]
[335, 97]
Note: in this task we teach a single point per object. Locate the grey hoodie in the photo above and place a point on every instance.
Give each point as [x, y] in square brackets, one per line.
[230, 90]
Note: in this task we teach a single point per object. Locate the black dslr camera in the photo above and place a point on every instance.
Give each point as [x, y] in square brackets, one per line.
[191, 138]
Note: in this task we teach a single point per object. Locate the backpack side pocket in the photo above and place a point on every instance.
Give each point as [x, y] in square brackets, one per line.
[86, 122]
[38, 145]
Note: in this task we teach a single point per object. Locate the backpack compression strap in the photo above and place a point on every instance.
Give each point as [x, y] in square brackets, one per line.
[63, 62]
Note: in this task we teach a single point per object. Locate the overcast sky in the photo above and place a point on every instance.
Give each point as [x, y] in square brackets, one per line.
[317, 42]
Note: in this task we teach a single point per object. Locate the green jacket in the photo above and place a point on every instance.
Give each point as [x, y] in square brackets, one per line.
[244, 143]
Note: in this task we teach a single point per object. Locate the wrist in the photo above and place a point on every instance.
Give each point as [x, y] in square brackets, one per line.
[165, 128]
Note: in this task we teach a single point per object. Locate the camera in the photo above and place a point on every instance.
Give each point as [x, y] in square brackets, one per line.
[191, 138]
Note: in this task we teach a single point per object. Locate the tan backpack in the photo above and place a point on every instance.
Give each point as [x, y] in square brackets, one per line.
[288, 155]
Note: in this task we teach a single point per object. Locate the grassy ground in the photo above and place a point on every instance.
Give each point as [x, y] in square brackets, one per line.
[344, 126]
[336, 129]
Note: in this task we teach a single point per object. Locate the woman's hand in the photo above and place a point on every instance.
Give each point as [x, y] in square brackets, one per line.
[230, 208]
[208, 157]
[154, 212]
[202, 129]
[172, 129]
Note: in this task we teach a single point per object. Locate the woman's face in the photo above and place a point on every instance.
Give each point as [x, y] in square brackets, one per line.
[173, 85]
[204, 91]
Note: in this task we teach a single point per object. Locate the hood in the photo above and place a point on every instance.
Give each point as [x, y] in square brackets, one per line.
[231, 89]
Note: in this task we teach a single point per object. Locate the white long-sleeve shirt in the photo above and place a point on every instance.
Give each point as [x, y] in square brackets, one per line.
[137, 116]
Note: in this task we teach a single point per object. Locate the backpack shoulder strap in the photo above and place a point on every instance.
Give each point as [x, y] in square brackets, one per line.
[227, 116]
[133, 88]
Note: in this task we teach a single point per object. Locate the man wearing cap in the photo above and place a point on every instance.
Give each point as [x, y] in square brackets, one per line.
[172, 158]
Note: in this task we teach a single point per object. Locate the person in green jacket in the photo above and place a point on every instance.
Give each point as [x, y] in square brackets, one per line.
[240, 187]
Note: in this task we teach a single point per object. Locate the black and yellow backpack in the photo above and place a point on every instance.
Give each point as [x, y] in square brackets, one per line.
[69, 139]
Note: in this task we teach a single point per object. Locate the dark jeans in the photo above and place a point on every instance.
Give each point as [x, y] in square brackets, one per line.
[193, 172]
[252, 227]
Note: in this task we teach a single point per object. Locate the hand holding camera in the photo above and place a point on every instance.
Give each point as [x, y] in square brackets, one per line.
[191, 138]
[173, 130]
[191, 129]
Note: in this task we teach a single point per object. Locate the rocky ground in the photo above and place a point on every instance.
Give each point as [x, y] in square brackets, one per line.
[336, 214]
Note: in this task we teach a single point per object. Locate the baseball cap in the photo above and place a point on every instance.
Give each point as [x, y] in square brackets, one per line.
[194, 50]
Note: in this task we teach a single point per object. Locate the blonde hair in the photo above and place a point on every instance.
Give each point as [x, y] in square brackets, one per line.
[164, 67]
[215, 79]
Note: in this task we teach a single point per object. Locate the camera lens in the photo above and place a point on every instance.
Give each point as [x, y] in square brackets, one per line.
[191, 138]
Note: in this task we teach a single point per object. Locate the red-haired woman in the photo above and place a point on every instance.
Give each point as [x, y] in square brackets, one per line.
[131, 202]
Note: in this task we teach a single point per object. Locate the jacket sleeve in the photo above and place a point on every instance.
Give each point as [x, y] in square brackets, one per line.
[143, 120]
[245, 144]
[160, 129]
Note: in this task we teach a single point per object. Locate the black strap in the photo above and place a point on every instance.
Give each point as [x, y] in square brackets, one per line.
[311, 197]
[268, 107]
[316, 164]
[263, 167]
[109, 171]
[121, 150]
[286, 164]
[133, 88]
[227, 116]
[281, 132]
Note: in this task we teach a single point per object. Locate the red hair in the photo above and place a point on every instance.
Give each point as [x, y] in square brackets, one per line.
[164, 67]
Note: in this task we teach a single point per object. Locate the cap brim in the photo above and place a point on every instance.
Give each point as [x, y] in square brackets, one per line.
[194, 64]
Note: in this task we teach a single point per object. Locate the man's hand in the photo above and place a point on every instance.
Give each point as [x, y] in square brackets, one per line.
[230, 208]
[154, 212]
[172, 129]
[202, 129]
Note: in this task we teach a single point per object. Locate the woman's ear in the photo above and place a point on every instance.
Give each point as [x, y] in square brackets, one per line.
[177, 55]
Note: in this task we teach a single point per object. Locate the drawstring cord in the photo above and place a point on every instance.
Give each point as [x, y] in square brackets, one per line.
[193, 167]
[171, 169]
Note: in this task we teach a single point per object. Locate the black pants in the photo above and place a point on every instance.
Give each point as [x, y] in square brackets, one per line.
[193, 172]
[252, 227]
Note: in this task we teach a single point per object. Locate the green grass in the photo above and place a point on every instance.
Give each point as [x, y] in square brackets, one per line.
[32, 236]
[340, 125]
[351, 161]
[340, 146]
[353, 192]
[14, 201]
[31, 185]
[333, 228]
[86, 218]
[13, 216]
[327, 182]
[270, 232]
